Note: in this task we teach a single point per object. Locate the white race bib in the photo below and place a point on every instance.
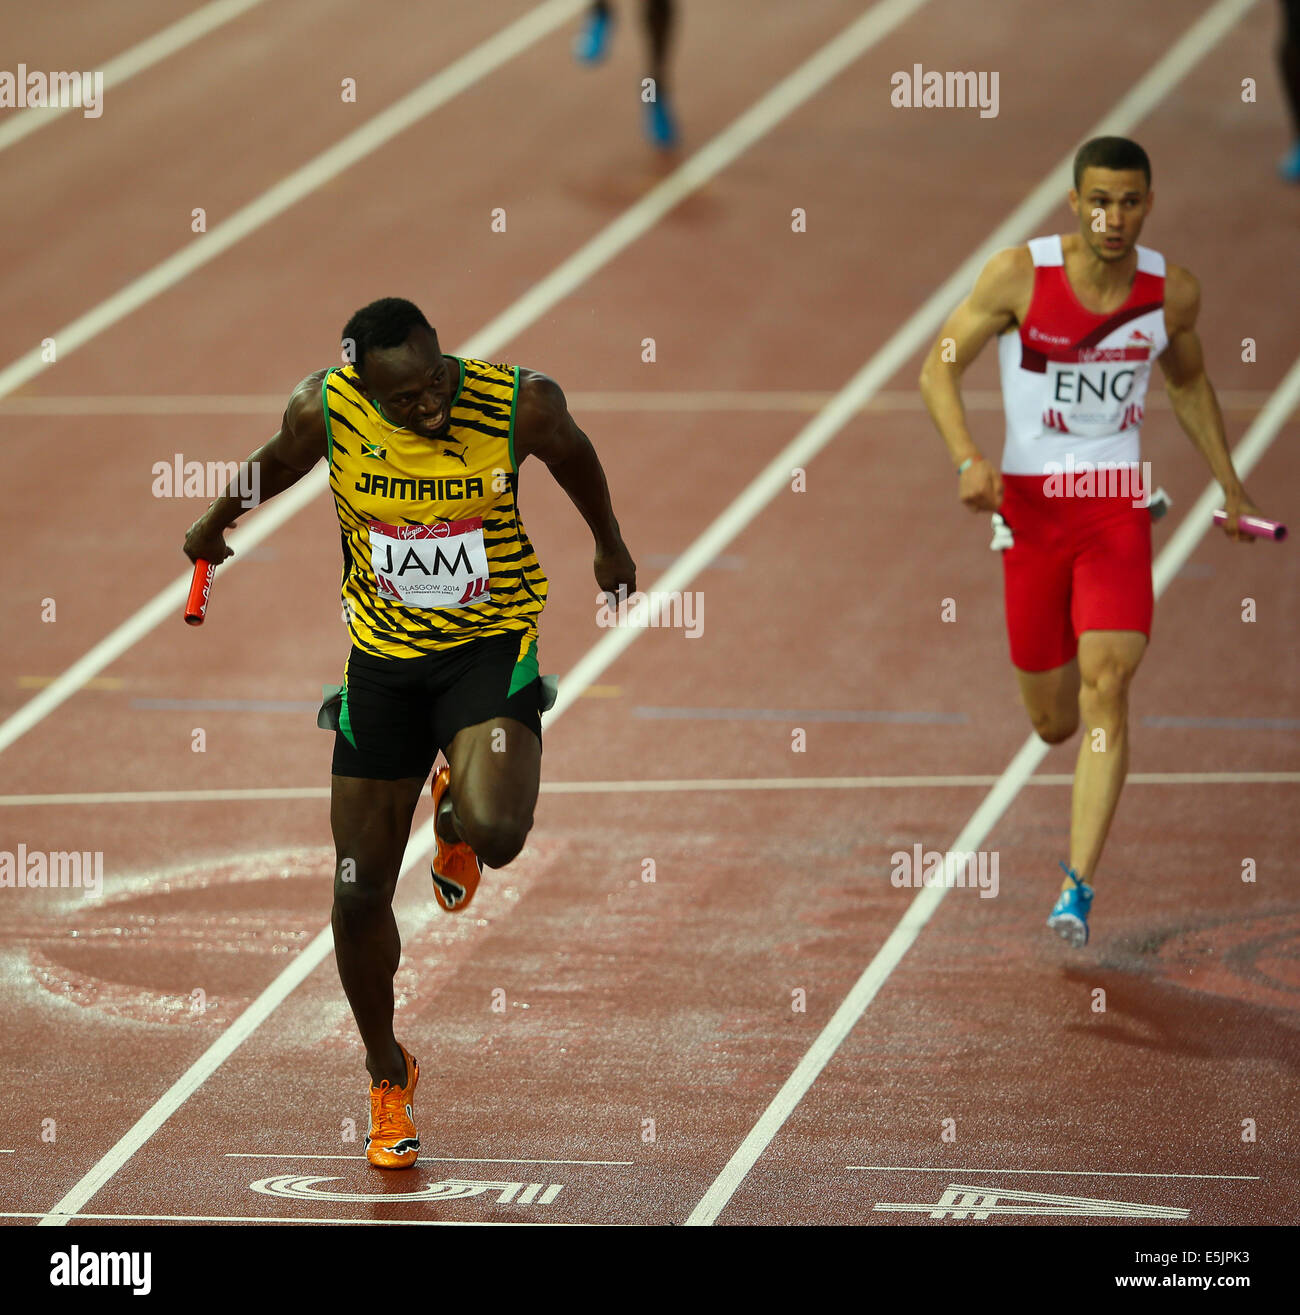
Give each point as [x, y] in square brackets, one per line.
[1098, 395]
[440, 565]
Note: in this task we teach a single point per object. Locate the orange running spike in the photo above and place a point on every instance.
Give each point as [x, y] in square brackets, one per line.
[393, 1142]
[456, 869]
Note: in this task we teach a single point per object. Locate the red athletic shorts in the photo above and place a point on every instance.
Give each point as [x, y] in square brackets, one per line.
[1077, 564]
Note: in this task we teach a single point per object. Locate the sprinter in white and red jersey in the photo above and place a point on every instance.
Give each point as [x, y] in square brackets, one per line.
[1080, 318]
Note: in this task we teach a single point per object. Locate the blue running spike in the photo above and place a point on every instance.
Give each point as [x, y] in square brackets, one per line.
[592, 43]
[1289, 166]
[660, 125]
[1069, 915]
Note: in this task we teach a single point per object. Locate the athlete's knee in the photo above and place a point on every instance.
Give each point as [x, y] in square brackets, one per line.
[496, 835]
[362, 888]
[1054, 729]
[1106, 683]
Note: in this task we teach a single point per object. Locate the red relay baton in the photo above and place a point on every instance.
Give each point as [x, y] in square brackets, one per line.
[196, 605]
[1256, 526]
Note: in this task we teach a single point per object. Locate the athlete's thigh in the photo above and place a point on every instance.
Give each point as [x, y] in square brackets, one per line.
[382, 720]
[1117, 652]
[496, 769]
[1036, 575]
[1037, 600]
[1112, 587]
[1051, 695]
[488, 722]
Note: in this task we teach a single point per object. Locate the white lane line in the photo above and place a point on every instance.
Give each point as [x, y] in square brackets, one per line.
[353, 149]
[858, 36]
[581, 403]
[444, 1159]
[152, 50]
[638, 219]
[689, 786]
[1177, 62]
[1064, 1173]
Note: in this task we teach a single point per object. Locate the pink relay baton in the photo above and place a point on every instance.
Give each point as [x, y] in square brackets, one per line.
[1255, 525]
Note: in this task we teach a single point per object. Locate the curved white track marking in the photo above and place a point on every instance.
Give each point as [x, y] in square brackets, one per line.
[1199, 39]
[787, 95]
[152, 50]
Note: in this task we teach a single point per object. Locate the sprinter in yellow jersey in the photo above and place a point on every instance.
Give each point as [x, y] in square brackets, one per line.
[442, 591]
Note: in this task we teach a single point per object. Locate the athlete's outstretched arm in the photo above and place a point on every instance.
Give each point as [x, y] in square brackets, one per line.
[1192, 395]
[281, 461]
[989, 310]
[545, 429]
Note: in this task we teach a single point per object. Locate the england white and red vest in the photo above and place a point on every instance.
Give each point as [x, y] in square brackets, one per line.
[1074, 383]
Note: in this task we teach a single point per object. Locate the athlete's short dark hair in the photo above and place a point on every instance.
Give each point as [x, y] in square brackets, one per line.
[384, 323]
[1110, 153]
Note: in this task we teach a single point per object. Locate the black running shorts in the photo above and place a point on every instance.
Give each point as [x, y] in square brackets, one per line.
[391, 716]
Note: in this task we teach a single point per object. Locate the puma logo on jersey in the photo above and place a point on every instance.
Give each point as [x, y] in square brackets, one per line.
[460, 456]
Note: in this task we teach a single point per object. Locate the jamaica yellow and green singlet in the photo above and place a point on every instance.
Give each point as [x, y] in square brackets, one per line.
[434, 552]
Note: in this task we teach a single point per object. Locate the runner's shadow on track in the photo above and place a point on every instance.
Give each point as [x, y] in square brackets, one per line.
[617, 190]
[1157, 1015]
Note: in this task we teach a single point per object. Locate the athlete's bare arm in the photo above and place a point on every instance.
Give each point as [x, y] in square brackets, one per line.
[545, 429]
[997, 302]
[1192, 394]
[281, 461]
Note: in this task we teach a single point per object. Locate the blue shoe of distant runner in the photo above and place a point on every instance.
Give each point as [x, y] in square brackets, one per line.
[1289, 166]
[592, 43]
[660, 125]
[1069, 915]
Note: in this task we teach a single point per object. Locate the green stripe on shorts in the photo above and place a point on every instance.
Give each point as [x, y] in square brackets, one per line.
[345, 717]
[525, 671]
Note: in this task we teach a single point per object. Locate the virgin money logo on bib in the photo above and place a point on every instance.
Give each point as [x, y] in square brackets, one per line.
[437, 566]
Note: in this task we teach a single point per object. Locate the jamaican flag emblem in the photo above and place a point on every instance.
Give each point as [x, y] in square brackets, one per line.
[376, 450]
